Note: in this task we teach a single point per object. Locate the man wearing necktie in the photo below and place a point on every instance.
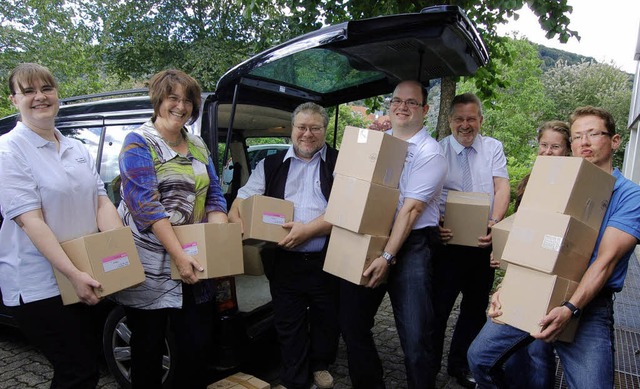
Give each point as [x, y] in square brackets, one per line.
[476, 164]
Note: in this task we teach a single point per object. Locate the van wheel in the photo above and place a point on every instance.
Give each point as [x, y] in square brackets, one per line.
[117, 351]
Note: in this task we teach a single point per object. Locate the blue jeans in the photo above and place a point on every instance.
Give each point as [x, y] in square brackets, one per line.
[532, 367]
[588, 361]
[409, 290]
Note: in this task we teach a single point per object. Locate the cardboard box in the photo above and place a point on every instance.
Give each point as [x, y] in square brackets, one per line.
[240, 381]
[252, 260]
[110, 257]
[263, 217]
[523, 309]
[569, 185]
[361, 206]
[371, 156]
[499, 234]
[467, 215]
[550, 242]
[349, 254]
[216, 246]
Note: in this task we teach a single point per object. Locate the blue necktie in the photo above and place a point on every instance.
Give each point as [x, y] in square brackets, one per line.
[463, 158]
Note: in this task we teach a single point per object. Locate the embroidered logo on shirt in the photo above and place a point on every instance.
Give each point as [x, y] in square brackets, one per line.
[81, 160]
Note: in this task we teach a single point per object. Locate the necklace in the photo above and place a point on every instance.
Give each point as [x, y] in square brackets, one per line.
[175, 143]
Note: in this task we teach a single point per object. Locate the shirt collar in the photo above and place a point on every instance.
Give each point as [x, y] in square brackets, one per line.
[149, 128]
[292, 154]
[457, 147]
[39, 141]
[416, 138]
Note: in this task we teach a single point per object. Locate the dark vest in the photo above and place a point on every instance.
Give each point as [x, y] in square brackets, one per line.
[276, 171]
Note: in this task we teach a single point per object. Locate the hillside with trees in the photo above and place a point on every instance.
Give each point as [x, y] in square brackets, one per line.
[550, 57]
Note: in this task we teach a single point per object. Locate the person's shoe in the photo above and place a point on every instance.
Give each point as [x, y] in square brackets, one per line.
[464, 378]
[323, 379]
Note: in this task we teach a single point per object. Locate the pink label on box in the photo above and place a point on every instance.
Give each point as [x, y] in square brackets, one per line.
[273, 218]
[114, 262]
[191, 248]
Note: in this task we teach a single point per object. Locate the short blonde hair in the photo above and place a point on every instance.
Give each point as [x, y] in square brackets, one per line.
[26, 73]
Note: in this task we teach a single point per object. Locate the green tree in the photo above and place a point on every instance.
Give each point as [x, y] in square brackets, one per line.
[518, 109]
[58, 34]
[203, 38]
[589, 83]
[346, 117]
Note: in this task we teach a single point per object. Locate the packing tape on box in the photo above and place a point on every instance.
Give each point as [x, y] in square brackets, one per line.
[556, 173]
[241, 382]
[586, 211]
[388, 175]
[466, 197]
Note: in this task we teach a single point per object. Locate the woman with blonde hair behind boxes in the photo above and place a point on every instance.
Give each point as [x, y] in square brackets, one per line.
[168, 179]
[553, 139]
[51, 192]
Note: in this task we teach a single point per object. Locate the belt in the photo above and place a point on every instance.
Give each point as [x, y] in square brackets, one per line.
[606, 293]
[307, 256]
[432, 233]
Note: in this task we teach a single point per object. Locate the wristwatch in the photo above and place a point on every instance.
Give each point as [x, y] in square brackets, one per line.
[575, 311]
[390, 258]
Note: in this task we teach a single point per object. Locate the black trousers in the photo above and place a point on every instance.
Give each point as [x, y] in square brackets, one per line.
[67, 336]
[409, 287]
[358, 307]
[305, 302]
[466, 270]
[191, 327]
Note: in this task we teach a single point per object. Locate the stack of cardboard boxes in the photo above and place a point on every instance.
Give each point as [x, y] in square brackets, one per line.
[363, 200]
[551, 239]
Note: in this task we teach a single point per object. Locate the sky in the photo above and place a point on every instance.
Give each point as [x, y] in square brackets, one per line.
[608, 30]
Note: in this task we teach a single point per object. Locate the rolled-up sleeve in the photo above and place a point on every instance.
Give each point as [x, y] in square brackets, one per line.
[215, 198]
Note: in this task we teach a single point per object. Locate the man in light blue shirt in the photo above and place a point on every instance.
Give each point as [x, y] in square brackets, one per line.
[463, 269]
[305, 298]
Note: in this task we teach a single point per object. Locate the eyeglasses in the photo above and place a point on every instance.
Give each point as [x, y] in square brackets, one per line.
[175, 100]
[546, 146]
[592, 136]
[411, 103]
[31, 92]
[313, 129]
[458, 120]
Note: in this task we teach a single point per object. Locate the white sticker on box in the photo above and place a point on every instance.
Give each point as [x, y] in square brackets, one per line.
[114, 262]
[552, 242]
[388, 175]
[363, 134]
[191, 248]
[273, 218]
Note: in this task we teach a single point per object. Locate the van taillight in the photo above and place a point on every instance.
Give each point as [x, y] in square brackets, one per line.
[226, 299]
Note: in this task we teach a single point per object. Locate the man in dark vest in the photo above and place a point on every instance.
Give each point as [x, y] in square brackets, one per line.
[305, 298]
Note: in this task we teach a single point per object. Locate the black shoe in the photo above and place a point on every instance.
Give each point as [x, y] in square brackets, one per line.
[464, 378]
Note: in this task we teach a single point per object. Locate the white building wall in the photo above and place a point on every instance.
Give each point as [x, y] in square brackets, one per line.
[631, 166]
